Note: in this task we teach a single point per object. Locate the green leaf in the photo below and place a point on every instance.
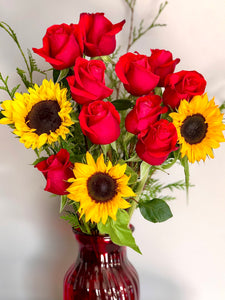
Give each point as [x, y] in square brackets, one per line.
[122, 104]
[39, 159]
[145, 167]
[114, 146]
[105, 149]
[3, 88]
[158, 91]
[1, 115]
[155, 210]
[13, 91]
[23, 77]
[133, 175]
[60, 75]
[222, 107]
[119, 231]
[134, 158]
[33, 64]
[63, 203]
[72, 219]
[55, 75]
[185, 164]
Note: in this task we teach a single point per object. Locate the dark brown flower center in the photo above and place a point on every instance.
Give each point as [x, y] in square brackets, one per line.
[44, 117]
[194, 129]
[101, 187]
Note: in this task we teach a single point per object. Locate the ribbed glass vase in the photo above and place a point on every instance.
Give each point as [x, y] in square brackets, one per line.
[101, 271]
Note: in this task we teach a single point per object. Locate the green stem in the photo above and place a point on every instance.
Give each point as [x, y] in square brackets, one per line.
[6, 88]
[131, 6]
[9, 30]
[86, 227]
[152, 25]
[139, 190]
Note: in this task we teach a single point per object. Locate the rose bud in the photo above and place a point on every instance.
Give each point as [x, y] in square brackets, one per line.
[98, 34]
[145, 112]
[88, 82]
[182, 85]
[100, 122]
[155, 146]
[62, 44]
[136, 74]
[162, 64]
[57, 169]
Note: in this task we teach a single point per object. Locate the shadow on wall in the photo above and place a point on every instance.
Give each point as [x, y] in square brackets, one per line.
[46, 279]
[156, 287]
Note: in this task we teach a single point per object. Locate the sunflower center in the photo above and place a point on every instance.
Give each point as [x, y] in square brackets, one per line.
[101, 187]
[194, 129]
[44, 117]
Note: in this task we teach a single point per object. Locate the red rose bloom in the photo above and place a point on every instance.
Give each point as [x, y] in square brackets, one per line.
[98, 34]
[100, 122]
[62, 44]
[182, 85]
[155, 146]
[88, 82]
[162, 64]
[57, 169]
[136, 74]
[145, 112]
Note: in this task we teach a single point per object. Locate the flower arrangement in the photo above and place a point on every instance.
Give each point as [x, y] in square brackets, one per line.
[105, 123]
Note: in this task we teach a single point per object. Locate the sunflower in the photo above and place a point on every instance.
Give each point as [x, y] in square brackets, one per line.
[199, 127]
[99, 188]
[40, 116]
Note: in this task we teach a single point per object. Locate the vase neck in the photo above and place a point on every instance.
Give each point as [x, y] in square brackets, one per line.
[99, 248]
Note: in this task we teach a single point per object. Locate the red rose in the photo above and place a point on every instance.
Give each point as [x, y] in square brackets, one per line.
[98, 34]
[136, 74]
[88, 82]
[100, 122]
[162, 64]
[156, 145]
[182, 85]
[57, 169]
[145, 112]
[62, 44]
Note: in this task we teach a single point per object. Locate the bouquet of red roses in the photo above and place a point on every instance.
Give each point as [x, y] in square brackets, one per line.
[103, 125]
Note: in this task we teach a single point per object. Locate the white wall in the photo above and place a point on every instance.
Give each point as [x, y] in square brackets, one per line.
[183, 258]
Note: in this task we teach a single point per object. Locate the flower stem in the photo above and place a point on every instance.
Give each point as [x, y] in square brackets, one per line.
[139, 190]
[9, 30]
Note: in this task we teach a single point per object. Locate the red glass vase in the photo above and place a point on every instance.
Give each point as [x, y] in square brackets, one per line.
[101, 271]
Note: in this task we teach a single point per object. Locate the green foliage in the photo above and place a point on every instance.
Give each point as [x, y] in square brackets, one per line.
[33, 64]
[155, 210]
[151, 202]
[222, 107]
[39, 159]
[137, 32]
[30, 63]
[74, 144]
[59, 75]
[119, 231]
[122, 104]
[132, 174]
[185, 164]
[155, 189]
[63, 203]
[23, 77]
[1, 115]
[72, 219]
[6, 88]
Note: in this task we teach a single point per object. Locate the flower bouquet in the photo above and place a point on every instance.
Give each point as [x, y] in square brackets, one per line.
[106, 123]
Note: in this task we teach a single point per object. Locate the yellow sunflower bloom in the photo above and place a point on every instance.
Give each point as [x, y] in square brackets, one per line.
[99, 188]
[199, 127]
[39, 117]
